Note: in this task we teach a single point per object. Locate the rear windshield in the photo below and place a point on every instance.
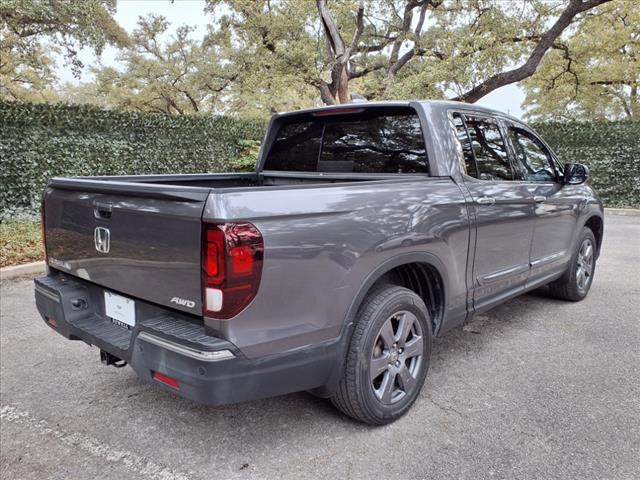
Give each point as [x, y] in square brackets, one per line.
[372, 140]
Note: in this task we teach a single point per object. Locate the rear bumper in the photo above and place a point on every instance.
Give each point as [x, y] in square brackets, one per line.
[209, 370]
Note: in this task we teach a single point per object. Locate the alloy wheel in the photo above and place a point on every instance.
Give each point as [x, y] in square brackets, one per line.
[584, 272]
[396, 358]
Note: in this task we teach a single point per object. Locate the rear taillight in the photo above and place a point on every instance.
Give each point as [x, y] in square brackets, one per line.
[43, 232]
[231, 267]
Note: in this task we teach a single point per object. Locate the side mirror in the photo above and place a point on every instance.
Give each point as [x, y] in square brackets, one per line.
[575, 173]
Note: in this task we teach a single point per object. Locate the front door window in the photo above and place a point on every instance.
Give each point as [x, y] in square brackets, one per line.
[533, 161]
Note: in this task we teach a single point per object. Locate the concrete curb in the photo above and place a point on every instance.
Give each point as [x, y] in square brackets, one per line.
[622, 211]
[26, 270]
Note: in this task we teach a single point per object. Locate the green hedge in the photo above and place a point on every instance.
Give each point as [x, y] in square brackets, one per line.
[611, 150]
[40, 141]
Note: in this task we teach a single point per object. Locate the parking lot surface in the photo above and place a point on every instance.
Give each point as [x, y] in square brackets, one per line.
[536, 388]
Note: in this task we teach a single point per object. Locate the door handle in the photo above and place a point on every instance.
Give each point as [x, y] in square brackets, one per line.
[539, 198]
[486, 201]
[102, 211]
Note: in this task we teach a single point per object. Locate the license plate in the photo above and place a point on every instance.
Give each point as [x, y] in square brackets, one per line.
[121, 310]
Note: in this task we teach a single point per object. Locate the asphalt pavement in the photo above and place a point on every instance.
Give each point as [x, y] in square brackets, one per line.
[536, 388]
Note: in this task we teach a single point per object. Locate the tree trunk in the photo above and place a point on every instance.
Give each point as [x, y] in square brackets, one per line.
[343, 85]
[338, 89]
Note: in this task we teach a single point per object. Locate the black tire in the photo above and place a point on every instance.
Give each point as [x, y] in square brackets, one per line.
[570, 287]
[402, 363]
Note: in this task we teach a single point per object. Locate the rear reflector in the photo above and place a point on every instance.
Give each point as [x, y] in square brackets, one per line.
[172, 382]
[52, 321]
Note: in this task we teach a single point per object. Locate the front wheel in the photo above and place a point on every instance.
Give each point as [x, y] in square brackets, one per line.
[388, 356]
[574, 285]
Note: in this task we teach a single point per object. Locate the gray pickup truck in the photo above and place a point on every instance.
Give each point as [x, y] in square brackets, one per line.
[366, 229]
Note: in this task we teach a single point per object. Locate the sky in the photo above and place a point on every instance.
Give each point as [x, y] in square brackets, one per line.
[190, 12]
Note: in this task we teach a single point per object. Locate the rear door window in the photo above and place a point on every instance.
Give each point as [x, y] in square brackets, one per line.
[374, 140]
[488, 148]
[468, 160]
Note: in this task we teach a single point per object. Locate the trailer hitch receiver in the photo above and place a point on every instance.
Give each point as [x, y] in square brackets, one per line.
[107, 359]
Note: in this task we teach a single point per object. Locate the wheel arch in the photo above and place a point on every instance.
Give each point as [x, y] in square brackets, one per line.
[420, 272]
[596, 224]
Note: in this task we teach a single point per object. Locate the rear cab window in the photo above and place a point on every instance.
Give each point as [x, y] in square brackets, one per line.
[360, 140]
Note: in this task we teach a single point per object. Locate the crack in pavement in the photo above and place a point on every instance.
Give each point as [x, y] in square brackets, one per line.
[445, 409]
[544, 441]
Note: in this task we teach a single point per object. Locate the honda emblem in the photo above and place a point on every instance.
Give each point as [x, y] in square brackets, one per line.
[102, 239]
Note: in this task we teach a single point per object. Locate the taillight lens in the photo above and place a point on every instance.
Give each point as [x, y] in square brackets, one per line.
[43, 232]
[232, 256]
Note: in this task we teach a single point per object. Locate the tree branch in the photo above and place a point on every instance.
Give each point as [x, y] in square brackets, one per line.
[193, 102]
[330, 28]
[339, 86]
[623, 101]
[324, 88]
[325, 94]
[402, 61]
[359, 29]
[366, 71]
[407, 17]
[547, 40]
[376, 47]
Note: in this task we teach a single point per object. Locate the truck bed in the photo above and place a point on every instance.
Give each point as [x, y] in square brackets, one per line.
[154, 224]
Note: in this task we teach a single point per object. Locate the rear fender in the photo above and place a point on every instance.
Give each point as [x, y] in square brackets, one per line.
[350, 317]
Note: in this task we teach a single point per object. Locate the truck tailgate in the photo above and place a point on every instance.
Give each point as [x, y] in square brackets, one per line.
[139, 240]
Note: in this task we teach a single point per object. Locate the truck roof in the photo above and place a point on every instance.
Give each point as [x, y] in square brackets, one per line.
[434, 104]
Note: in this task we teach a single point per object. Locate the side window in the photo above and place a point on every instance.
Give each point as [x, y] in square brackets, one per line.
[533, 161]
[468, 160]
[488, 148]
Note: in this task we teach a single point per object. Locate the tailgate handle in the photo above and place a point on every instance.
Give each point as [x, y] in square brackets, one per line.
[102, 211]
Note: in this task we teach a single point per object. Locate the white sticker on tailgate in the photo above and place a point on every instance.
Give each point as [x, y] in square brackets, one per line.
[120, 309]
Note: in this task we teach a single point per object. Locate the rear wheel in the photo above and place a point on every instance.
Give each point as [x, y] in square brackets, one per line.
[388, 356]
[574, 285]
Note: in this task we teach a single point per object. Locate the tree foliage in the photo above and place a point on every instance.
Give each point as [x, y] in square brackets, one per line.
[275, 47]
[31, 30]
[393, 48]
[575, 57]
[179, 76]
[595, 73]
